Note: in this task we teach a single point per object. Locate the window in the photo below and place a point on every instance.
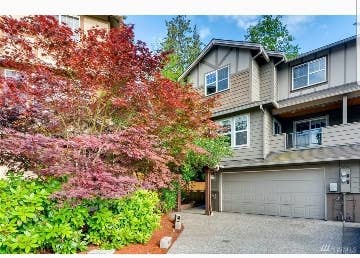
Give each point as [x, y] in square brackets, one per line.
[237, 130]
[8, 73]
[217, 81]
[226, 131]
[73, 22]
[277, 129]
[309, 73]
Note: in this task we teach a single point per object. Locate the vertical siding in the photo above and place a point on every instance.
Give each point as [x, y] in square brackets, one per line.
[267, 82]
[341, 69]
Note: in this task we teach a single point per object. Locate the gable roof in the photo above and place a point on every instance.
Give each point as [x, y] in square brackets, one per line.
[256, 46]
[234, 44]
[326, 47]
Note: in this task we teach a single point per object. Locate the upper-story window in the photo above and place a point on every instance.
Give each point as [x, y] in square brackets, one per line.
[73, 22]
[217, 81]
[309, 73]
[237, 130]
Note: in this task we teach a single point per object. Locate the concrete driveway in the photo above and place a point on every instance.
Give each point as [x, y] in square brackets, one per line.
[244, 233]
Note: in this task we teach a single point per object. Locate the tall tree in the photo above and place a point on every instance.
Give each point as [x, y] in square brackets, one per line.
[96, 110]
[273, 34]
[184, 45]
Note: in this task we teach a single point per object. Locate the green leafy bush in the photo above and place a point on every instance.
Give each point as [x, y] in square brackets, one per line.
[128, 220]
[168, 198]
[30, 222]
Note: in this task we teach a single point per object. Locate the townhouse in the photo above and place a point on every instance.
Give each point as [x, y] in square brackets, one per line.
[84, 22]
[293, 125]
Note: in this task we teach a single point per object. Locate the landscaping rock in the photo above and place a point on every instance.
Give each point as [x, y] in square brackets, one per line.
[177, 225]
[165, 242]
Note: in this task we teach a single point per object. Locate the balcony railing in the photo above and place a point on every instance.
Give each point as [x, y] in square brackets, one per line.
[304, 139]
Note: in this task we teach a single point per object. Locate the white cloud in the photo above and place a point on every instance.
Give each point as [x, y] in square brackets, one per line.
[295, 23]
[244, 21]
[204, 33]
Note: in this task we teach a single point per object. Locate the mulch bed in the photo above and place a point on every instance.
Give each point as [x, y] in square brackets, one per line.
[153, 246]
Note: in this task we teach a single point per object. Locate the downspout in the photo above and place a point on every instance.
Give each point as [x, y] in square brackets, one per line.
[263, 132]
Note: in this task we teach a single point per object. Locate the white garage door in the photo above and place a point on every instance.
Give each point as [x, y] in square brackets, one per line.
[290, 193]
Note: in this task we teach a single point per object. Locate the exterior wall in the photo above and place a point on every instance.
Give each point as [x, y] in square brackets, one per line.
[239, 62]
[341, 69]
[267, 132]
[341, 134]
[237, 94]
[267, 81]
[255, 149]
[237, 59]
[254, 81]
[89, 22]
[277, 142]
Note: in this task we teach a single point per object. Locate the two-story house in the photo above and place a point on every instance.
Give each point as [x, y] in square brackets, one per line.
[75, 22]
[294, 126]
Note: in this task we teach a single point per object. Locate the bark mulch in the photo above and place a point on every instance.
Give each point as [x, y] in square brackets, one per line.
[153, 246]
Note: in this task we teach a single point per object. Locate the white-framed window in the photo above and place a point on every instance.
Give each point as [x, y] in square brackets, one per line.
[310, 73]
[237, 130]
[13, 74]
[73, 22]
[217, 81]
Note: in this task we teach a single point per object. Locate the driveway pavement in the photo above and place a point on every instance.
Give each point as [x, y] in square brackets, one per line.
[244, 233]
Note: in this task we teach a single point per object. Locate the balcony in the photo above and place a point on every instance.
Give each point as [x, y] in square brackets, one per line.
[341, 134]
[305, 139]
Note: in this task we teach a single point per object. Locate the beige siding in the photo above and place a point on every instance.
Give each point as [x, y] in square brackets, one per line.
[255, 81]
[267, 83]
[89, 22]
[341, 69]
[236, 59]
[267, 133]
[254, 151]
[277, 142]
[238, 93]
[341, 134]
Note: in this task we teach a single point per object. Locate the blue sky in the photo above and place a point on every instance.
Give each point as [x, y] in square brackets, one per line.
[310, 32]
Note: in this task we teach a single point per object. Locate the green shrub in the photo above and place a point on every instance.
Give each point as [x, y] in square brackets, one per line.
[30, 222]
[128, 220]
[168, 199]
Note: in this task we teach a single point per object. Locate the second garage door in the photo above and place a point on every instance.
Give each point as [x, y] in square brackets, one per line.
[290, 193]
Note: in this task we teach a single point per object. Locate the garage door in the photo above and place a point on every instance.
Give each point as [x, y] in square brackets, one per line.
[290, 193]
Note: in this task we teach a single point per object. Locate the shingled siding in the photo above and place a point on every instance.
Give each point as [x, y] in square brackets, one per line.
[341, 134]
[237, 95]
[267, 83]
[255, 81]
[277, 142]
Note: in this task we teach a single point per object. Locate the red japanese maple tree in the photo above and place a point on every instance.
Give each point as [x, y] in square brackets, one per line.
[96, 110]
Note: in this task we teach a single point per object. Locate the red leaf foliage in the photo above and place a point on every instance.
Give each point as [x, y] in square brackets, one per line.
[96, 110]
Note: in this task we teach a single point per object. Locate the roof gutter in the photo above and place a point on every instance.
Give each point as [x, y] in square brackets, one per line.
[262, 52]
[282, 60]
